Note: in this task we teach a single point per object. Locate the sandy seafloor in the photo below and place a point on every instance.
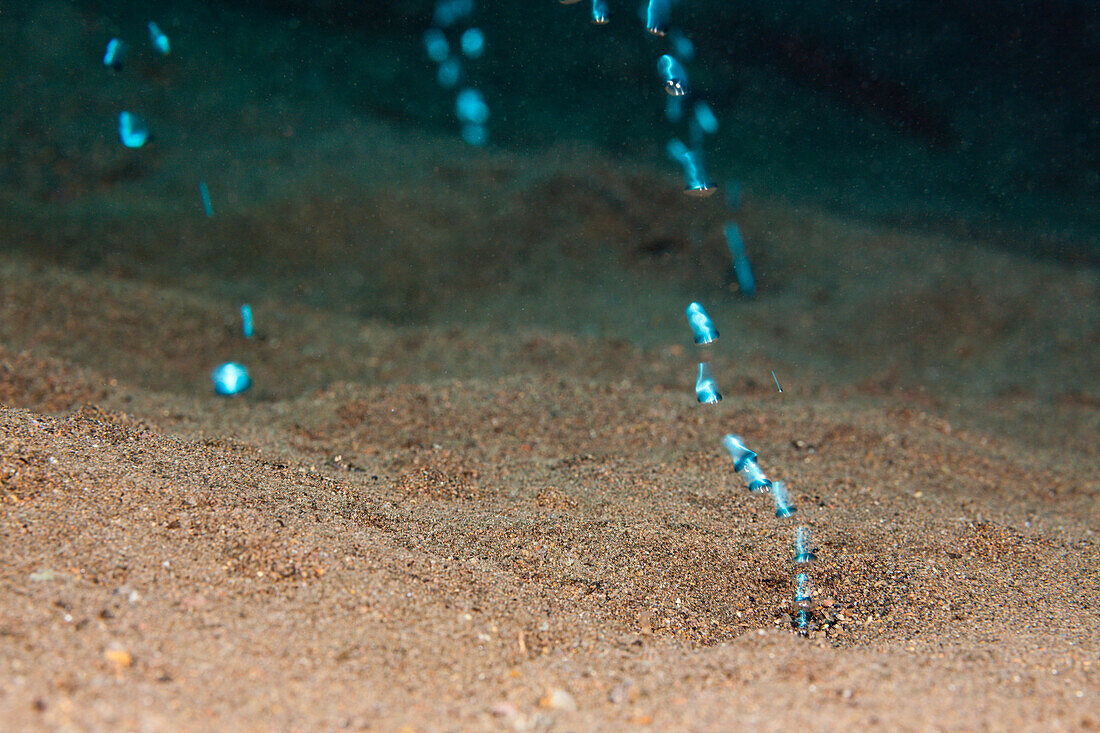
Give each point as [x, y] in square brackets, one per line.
[471, 488]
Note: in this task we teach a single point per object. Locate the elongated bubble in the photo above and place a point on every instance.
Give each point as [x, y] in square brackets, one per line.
[656, 16]
[803, 550]
[246, 320]
[673, 75]
[742, 268]
[783, 508]
[706, 389]
[600, 13]
[703, 330]
[158, 40]
[132, 130]
[115, 53]
[744, 462]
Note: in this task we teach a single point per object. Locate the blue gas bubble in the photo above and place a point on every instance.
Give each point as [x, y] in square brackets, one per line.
[449, 12]
[804, 551]
[473, 42]
[703, 330]
[783, 508]
[706, 389]
[656, 16]
[230, 378]
[132, 130]
[695, 176]
[207, 204]
[673, 75]
[471, 108]
[803, 602]
[476, 135]
[448, 74]
[744, 463]
[436, 46]
[158, 39]
[116, 52]
[704, 118]
[742, 268]
[246, 320]
[681, 44]
[601, 14]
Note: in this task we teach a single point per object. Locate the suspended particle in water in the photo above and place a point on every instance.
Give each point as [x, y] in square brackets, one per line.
[601, 15]
[656, 16]
[472, 42]
[803, 550]
[449, 12]
[673, 75]
[742, 269]
[230, 378]
[132, 130]
[158, 39]
[744, 463]
[706, 389]
[681, 44]
[436, 46]
[783, 508]
[246, 320]
[116, 52]
[449, 72]
[207, 205]
[703, 330]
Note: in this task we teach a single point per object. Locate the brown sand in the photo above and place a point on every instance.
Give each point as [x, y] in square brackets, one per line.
[508, 512]
[563, 544]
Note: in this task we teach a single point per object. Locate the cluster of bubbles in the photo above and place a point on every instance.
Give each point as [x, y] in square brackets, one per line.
[229, 378]
[746, 465]
[132, 130]
[452, 18]
[693, 119]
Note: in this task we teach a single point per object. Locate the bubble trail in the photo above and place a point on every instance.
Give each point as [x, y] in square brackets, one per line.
[744, 463]
[207, 205]
[656, 16]
[230, 378]
[742, 268]
[803, 551]
[776, 381]
[116, 52]
[783, 508]
[246, 320]
[681, 45]
[158, 39]
[132, 130]
[473, 113]
[673, 75]
[804, 602]
[706, 389]
[702, 328]
[600, 13]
